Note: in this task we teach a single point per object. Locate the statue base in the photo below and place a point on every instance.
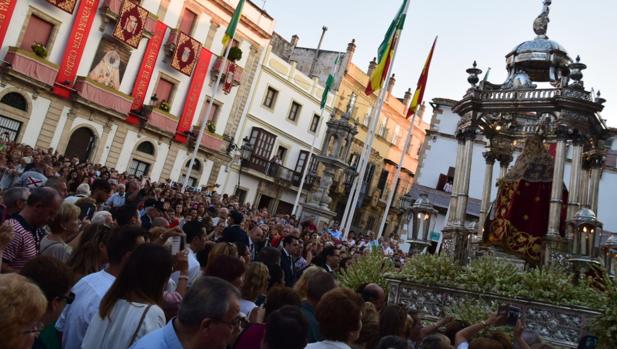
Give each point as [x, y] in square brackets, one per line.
[456, 243]
[320, 215]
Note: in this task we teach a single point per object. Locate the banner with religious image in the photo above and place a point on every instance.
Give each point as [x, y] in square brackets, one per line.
[64, 5]
[131, 21]
[109, 63]
[186, 54]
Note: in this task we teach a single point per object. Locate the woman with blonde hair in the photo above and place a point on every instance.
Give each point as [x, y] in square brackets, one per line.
[64, 233]
[301, 285]
[255, 286]
[22, 305]
[220, 249]
[90, 255]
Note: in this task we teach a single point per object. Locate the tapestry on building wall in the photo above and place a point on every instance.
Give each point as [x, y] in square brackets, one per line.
[109, 63]
[131, 22]
[186, 54]
[64, 5]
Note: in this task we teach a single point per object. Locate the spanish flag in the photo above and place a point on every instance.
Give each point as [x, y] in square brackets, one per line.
[233, 23]
[386, 51]
[419, 94]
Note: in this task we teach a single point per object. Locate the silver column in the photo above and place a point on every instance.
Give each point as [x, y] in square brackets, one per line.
[486, 191]
[463, 194]
[557, 189]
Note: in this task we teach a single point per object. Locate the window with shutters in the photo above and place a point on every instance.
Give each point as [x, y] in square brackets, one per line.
[37, 30]
[262, 143]
[214, 112]
[164, 92]
[383, 178]
[294, 111]
[270, 98]
[138, 168]
[315, 123]
[281, 152]
[187, 21]
[301, 163]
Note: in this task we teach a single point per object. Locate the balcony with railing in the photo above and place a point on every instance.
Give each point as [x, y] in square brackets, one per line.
[278, 173]
[26, 65]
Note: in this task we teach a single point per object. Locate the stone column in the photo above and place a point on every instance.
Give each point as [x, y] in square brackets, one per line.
[455, 185]
[486, 191]
[463, 193]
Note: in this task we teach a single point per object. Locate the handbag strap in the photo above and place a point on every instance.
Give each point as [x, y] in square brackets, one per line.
[141, 321]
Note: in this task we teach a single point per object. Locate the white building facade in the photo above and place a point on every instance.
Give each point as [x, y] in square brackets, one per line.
[283, 121]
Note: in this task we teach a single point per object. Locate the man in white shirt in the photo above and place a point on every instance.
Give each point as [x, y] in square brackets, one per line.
[89, 291]
[196, 240]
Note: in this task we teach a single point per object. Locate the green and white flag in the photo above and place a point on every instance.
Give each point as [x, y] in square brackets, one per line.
[329, 83]
[233, 24]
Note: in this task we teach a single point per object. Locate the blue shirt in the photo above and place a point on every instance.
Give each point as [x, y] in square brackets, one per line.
[163, 338]
[116, 200]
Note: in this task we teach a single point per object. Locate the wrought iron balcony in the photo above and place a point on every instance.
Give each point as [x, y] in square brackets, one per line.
[277, 172]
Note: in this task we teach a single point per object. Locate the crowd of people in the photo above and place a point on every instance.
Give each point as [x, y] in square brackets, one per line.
[93, 258]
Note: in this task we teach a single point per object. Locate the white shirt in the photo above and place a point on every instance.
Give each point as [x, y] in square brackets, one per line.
[117, 329]
[463, 345]
[75, 318]
[194, 270]
[328, 345]
[246, 307]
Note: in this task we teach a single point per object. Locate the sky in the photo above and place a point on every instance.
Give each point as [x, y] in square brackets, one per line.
[481, 30]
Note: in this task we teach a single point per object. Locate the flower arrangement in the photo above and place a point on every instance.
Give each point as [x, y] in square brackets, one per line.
[39, 49]
[369, 268]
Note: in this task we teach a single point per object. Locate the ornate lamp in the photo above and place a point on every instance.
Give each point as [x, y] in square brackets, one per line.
[246, 150]
[587, 229]
[609, 250]
[422, 222]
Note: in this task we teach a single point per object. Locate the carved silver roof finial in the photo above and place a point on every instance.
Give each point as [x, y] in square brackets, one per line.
[540, 24]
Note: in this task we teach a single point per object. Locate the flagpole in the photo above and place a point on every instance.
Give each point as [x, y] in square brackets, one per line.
[371, 134]
[307, 164]
[397, 176]
[202, 128]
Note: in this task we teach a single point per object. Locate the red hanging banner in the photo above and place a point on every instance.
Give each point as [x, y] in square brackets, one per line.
[192, 97]
[6, 12]
[147, 65]
[75, 47]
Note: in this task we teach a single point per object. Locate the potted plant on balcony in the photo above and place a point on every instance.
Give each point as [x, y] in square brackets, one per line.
[235, 54]
[211, 126]
[39, 49]
[164, 106]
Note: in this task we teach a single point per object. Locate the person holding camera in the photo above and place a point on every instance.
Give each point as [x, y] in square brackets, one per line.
[463, 339]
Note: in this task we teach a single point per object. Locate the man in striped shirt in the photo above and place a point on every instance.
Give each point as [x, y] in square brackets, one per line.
[41, 207]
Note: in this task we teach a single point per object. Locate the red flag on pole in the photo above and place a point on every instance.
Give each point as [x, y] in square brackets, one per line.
[419, 94]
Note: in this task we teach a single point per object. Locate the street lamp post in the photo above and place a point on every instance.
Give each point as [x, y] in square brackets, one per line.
[246, 150]
[609, 249]
[422, 214]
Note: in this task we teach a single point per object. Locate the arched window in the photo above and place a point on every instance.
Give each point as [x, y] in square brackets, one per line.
[15, 100]
[146, 148]
[196, 165]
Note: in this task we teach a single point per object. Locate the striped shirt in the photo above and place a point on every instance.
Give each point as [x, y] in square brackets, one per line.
[24, 245]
